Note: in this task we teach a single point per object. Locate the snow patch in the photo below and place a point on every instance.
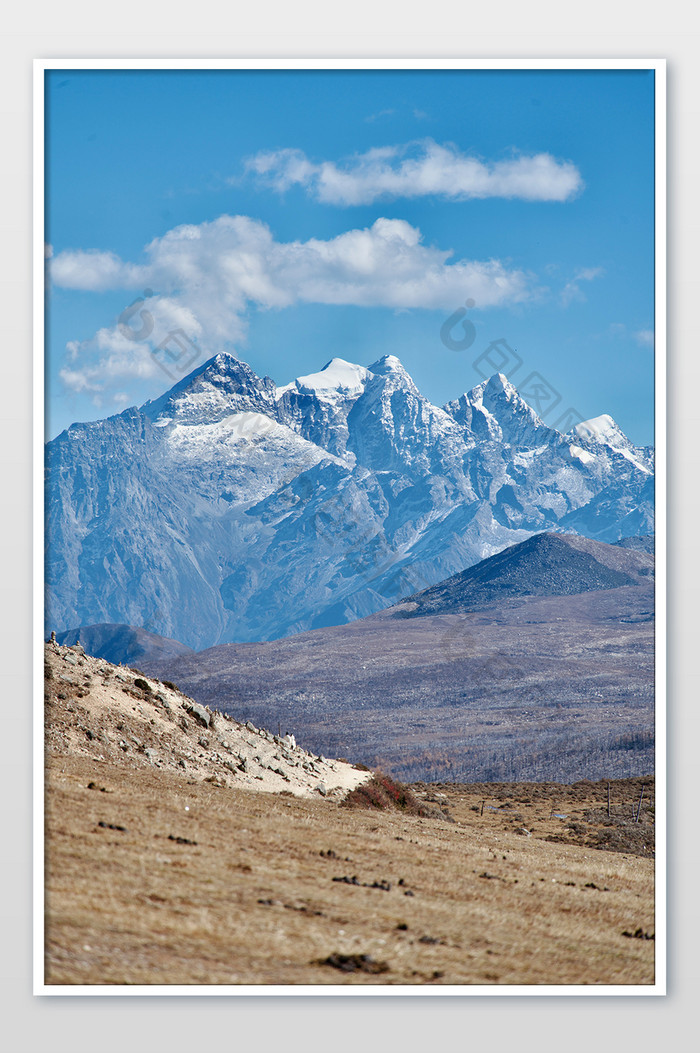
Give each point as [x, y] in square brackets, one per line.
[235, 428]
[604, 430]
[634, 460]
[583, 455]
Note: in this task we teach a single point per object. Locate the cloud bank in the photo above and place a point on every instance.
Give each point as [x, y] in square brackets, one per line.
[417, 169]
[203, 279]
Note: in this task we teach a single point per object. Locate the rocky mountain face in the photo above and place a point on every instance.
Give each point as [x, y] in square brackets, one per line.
[231, 509]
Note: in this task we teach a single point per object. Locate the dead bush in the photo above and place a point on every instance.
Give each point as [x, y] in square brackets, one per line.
[384, 794]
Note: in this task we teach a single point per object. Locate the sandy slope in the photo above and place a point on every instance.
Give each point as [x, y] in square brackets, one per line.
[105, 711]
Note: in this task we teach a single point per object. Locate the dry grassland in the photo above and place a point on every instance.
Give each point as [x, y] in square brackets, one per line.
[154, 877]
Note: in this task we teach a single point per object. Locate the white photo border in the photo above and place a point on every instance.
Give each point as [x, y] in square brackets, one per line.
[658, 66]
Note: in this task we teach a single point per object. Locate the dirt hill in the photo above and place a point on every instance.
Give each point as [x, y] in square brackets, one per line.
[106, 712]
[125, 644]
[544, 565]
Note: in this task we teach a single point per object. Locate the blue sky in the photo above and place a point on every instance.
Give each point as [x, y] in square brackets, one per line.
[365, 208]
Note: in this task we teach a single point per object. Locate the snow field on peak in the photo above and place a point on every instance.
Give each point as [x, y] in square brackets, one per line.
[245, 438]
[237, 427]
[600, 429]
[337, 379]
[605, 430]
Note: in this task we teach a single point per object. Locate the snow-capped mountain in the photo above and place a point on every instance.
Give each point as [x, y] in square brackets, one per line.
[233, 509]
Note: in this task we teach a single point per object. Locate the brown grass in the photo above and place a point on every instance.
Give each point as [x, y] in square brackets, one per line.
[253, 900]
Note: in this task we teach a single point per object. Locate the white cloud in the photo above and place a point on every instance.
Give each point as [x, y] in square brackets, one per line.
[415, 170]
[587, 274]
[644, 337]
[377, 116]
[573, 291]
[95, 365]
[79, 380]
[206, 277]
[93, 270]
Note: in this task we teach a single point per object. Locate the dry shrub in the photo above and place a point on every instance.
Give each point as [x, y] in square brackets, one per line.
[384, 794]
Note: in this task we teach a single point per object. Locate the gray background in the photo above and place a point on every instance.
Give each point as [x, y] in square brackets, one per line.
[539, 29]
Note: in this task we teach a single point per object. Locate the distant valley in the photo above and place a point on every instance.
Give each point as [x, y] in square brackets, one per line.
[537, 664]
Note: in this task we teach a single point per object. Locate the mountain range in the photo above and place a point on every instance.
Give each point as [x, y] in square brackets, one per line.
[231, 509]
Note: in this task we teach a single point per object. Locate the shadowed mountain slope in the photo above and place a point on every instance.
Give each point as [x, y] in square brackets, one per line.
[544, 565]
[123, 644]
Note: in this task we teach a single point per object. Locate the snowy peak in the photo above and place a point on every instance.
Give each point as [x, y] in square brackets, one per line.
[317, 405]
[602, 429]
[388, 364]
[337, 378]
[222, 386]
[495, 410]
[502, 399]
[356, 412]
[496, 385]
[346, 380]
[392, 427]
[393, 374]
[225, 369]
